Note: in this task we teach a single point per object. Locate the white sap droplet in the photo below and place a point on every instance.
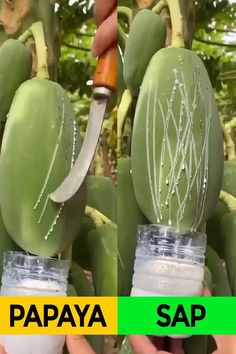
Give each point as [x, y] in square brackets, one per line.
[166, 203]
[169, 222]
[183, 167]
[205, 180]
[167, 181]
[162, 164]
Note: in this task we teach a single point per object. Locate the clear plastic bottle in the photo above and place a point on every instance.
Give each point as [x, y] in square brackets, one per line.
[25, 275]
[168, 263]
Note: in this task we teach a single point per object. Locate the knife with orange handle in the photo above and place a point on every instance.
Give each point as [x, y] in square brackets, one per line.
[105, 81]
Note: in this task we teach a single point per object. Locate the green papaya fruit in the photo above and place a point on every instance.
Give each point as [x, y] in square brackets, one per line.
[101, 195]
[176, 136]
[80, 286]
[40, 144]
[220, 282]
[147, 35]
[80, 251]
[19, 16]
[15, 68]
[71, 290]
[214, 237]
[103, 258]
[228, 232]
[79, 281]
[127, 226]
[207, 282]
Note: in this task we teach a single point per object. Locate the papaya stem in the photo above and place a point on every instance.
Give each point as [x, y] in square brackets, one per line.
[159, 6]
[98, 218]
[229, 200]
[229, 143]
[122, 112]
[177, 39]
[121, 38]
[25, 36]
[41, 50]
[231, 124]
[125, 11]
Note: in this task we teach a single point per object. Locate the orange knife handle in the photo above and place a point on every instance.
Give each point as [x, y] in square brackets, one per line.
[106, 71]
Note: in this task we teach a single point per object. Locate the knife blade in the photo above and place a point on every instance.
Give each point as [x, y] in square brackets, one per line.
[104, 84]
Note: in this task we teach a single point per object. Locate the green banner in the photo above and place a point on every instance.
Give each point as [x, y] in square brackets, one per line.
[176, 315]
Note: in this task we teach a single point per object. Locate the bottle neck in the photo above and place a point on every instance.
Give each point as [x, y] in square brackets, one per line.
[37, 272]
[165, 242]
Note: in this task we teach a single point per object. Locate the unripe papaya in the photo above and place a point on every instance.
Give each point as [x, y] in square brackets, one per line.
[40, 144]
[214, 237]
[101, 195]
[228, 232]
[220, 282]
[147, 35]
[176, 139]
[127, 226]
[103, 258]
[15, 68]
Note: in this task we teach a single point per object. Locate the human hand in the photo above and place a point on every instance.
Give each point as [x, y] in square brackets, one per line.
[75, 345]
[143, 344]
[78, 345]
[106, 19]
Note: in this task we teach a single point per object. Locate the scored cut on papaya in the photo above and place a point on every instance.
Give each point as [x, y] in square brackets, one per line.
[39, 146]
[176, 136]
[15, 68]
[103, 259]
[147, 35]
[129, 217]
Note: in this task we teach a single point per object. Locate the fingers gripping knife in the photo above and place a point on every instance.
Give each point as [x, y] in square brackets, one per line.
[105, 81]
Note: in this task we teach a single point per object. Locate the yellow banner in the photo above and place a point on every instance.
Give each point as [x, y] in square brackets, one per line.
[58, 315]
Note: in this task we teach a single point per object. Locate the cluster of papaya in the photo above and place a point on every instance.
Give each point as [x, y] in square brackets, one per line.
[39, 145]
[175, 173]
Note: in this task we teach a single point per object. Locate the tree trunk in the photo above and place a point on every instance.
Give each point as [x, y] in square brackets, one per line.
[16, 16]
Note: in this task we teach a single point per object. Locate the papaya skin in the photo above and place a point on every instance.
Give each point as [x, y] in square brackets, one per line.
[147, 35]
[176, 180]
[34, 163]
